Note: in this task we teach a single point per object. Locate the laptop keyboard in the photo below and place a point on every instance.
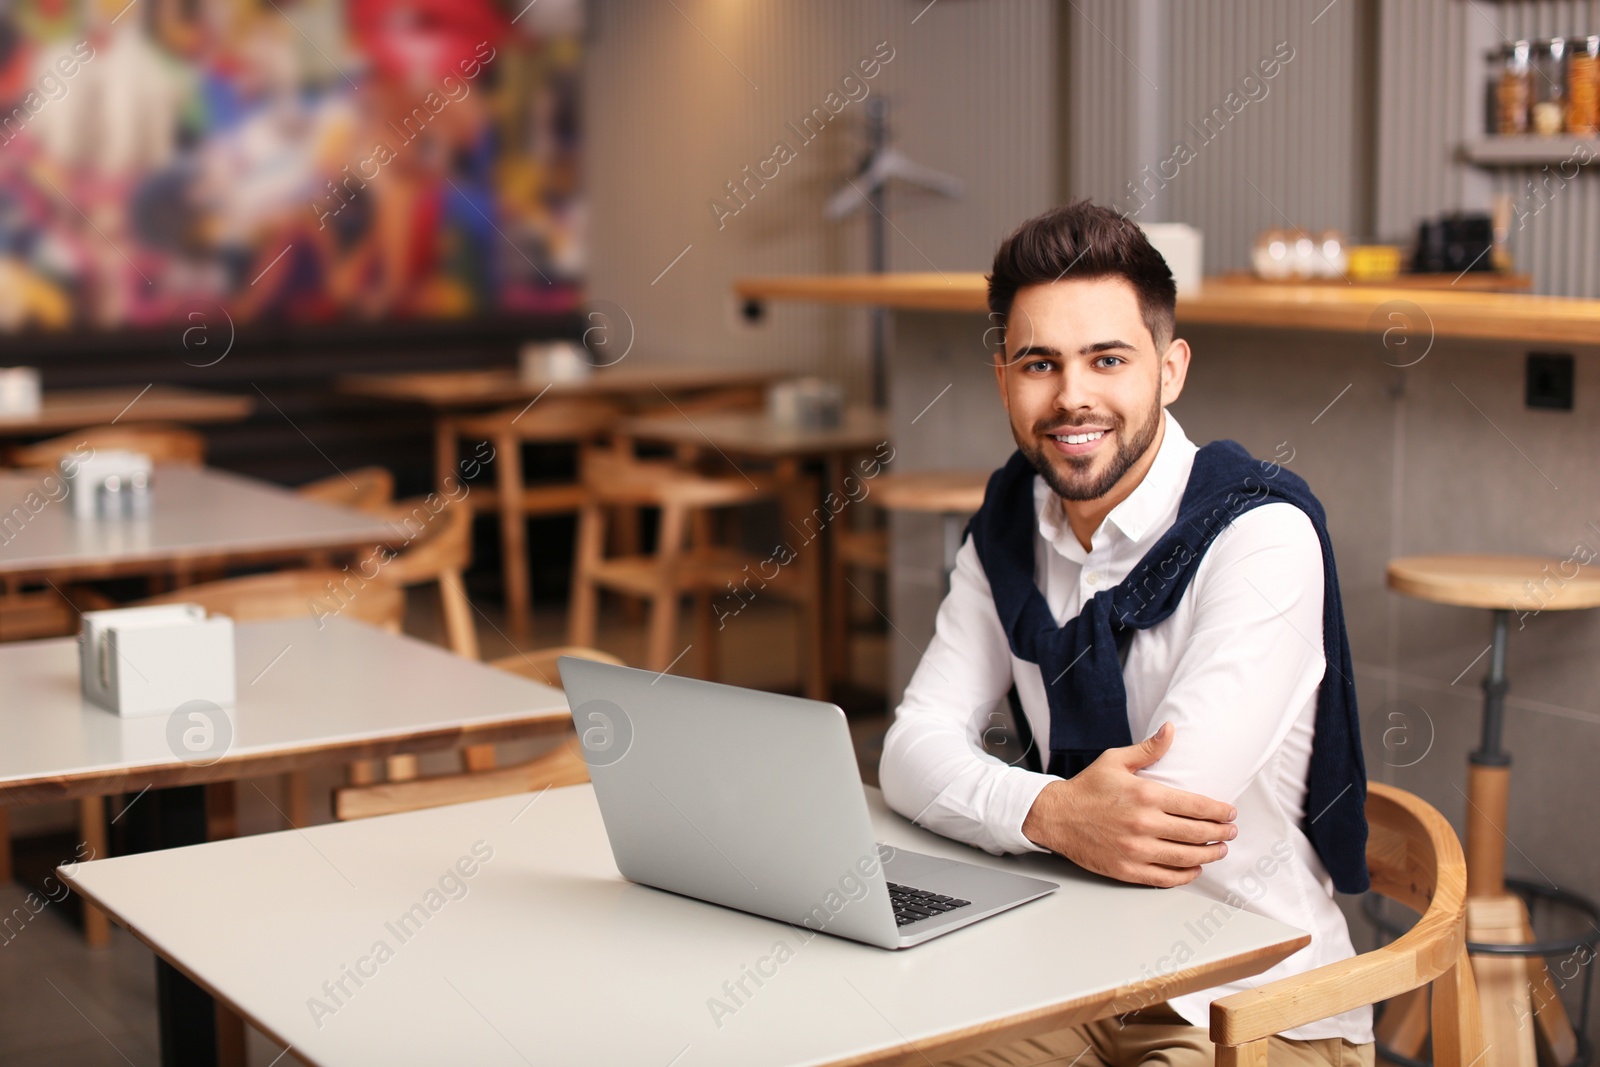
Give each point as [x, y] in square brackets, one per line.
[914, 905]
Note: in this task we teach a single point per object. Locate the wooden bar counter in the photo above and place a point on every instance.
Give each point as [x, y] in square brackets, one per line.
[1333, 307]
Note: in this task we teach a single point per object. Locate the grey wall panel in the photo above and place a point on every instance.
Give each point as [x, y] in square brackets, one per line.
[682, 96]
[1288, 151]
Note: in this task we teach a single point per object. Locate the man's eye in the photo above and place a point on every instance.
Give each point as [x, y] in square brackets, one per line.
[1111, 361]
[1039, 365]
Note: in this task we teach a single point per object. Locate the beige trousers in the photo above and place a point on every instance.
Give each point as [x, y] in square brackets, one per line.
[1154, 1037]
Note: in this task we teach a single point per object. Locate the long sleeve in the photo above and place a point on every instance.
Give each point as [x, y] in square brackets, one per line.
[934, 770]
[1252, 660]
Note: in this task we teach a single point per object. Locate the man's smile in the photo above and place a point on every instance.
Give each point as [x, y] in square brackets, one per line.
[1079, 440]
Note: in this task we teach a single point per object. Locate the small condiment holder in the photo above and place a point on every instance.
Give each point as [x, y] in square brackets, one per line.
[554, 361]
[110, 484]
[151, 660]
[20, 393]
[812, 403]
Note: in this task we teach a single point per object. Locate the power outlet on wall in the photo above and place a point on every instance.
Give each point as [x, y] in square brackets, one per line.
[1550, 377]
[745, 316]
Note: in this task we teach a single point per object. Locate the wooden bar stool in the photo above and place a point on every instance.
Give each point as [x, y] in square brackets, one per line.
[952, 495]
[1508, 960]
[685, 561]
[553, 420]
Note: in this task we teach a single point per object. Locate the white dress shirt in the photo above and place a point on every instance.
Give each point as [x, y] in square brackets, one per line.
[1235, 669]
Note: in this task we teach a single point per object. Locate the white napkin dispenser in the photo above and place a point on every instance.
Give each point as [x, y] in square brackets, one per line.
[147, 661]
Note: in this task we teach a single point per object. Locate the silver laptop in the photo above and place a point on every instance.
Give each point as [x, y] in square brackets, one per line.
[752, 800]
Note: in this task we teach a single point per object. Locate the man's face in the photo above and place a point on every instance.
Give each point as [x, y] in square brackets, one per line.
[1084, 386]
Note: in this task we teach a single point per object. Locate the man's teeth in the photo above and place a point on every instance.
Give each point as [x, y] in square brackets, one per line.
[1079, 438]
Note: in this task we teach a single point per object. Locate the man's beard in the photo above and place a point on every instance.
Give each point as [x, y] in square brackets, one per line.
[1128, 452]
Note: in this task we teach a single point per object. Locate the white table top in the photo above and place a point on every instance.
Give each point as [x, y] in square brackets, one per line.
[546, 955]
[197, 514]
[303, 693]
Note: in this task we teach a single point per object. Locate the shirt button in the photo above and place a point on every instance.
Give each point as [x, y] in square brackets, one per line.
[1092, 577]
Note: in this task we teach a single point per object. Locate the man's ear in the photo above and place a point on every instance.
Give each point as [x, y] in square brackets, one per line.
[1174, 370]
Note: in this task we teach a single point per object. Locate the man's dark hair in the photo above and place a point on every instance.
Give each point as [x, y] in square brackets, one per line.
[1085, 241]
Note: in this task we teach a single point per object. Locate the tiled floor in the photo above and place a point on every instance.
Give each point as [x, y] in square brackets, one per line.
[64, 1004]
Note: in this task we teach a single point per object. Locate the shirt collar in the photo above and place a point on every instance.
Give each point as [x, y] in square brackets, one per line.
[1156, 496]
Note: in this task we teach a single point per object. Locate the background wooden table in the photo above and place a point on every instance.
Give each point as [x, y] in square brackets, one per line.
[198, 516]
[69, 409]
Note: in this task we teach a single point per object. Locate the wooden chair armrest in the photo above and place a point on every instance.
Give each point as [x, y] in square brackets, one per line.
[1415, 858]
[1334, 989]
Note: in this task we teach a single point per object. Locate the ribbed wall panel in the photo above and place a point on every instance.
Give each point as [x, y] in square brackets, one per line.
[1433, 79]
[670, 120]
[1288, 159]
[1293, 157]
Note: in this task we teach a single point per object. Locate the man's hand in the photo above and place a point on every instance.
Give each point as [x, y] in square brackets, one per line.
[1109, 820]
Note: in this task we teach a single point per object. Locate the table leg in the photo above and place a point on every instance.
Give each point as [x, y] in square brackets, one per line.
[92, 825]
[809, 575]
[188, 1015]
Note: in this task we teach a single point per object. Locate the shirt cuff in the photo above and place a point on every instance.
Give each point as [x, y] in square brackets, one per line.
[1014, 798]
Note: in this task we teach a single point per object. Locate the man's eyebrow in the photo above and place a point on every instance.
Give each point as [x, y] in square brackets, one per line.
[1037, 350]
[1104, 346]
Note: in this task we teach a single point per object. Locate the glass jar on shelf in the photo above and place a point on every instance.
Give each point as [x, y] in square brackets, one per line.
[1547, 113]
[1583, 85]
[1514, 89]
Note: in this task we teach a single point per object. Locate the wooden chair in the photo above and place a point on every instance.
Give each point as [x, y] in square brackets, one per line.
[952, 495]
[316, 592]
[430, 547]
[562, 765]
[162, 443]
[553, 420]
[1415, 858]
[369, 489]
[681, 564]
[436, 547]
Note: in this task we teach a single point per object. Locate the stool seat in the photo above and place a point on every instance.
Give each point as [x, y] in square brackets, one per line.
[949, 492]
[1502, 583]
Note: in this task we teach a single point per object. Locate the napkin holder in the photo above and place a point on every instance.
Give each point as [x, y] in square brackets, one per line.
[148, 661]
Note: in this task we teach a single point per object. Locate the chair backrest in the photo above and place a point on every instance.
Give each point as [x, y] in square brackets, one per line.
[554, 418]
[428, 543]
[161, 442]
[562, 765]
[617, 476]
[540, 664]
[1415, 858]
[318, 592]
[365, 489]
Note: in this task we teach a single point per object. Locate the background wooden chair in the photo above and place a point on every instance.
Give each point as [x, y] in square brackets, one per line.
[684, 562]
[1415, 858]
[950, 494]
[551, 421]
[163, 443]
[365, 489]
[437, 548]
[562, 765]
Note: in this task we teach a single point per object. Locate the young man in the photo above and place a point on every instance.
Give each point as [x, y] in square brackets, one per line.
[1121, 584]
